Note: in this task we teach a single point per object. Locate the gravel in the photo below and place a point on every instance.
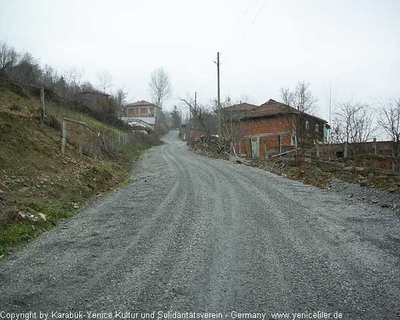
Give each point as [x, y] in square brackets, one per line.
[371, 196]
[194, 234]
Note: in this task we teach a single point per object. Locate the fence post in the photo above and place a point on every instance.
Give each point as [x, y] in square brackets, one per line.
[82, 140]
[43, 109]
[64, 135]
[375, 152]
[317, 149]
[95, 147]
[345, 149]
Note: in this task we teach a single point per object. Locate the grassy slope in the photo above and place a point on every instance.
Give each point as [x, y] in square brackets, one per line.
[36, 178]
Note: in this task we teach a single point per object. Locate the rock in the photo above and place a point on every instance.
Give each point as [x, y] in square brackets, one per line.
[348, 168]
[32, 217]
[364, 183]
[75, 205]
[42, 216]
[359, 169]
[22, 215]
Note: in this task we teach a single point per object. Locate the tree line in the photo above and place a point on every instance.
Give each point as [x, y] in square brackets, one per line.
[26, 69]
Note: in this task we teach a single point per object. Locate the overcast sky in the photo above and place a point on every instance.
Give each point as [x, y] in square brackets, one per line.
[352, 45]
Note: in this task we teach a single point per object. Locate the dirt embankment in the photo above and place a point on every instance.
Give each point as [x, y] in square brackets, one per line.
[39, 186]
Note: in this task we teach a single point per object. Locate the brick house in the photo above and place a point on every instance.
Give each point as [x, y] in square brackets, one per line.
[141, 113]
[271, 128]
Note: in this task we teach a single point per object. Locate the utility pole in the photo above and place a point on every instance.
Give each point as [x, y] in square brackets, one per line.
[218, 98]
[190, 115]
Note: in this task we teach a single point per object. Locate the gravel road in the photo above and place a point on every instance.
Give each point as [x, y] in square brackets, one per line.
[194, 234]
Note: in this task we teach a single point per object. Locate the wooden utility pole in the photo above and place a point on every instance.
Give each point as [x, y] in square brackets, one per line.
[190, 117]
[64, 135]
[218, 98]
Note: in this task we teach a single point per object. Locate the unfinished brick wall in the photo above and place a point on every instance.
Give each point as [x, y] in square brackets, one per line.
[257, 126]
[267, 130]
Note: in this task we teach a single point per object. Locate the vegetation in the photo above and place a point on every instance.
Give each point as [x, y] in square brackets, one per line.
[176, 118]
[40, 186]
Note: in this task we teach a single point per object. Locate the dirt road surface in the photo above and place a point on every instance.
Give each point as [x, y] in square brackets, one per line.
[194, 234]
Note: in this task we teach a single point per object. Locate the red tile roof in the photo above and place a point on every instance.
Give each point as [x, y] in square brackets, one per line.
[273, 108]
[244, 106]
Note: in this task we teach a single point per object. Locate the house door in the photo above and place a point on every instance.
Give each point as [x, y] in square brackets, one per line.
[255, 147]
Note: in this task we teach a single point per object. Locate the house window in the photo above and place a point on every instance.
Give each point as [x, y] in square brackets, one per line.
[317, 127]
[307, 125]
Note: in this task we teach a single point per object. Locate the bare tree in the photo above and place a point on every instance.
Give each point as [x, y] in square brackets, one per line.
[389, 120]
[202, 118]
[73, 77]
[288, 97]
[8, 56]
[353, 123]
[120, 100]
[160, 87]
[301, 98]
[230, 124]
[28, 70]
[104, 81]
[49, 76]
[302, 103]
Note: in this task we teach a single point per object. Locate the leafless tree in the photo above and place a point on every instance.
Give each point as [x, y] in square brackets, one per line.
[28, 70]
[353, 123]
[288, 97]
[120, 100]
[104, 81]
[50, 76]
[302, 103]
[160, 87]
[301, 98]
[73, 78]
[8, 56]
[230, 125]
[389, 120]
[202, 118]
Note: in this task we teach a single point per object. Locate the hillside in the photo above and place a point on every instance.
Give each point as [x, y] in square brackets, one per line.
[39, 185]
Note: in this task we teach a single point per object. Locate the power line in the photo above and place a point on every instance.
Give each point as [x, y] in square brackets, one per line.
[261, 8]
[242, 22]
[247, 17]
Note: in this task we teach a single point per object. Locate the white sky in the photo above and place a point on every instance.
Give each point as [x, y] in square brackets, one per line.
[354, 45]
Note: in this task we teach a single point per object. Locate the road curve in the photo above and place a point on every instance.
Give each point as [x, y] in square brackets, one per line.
[194, 234]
